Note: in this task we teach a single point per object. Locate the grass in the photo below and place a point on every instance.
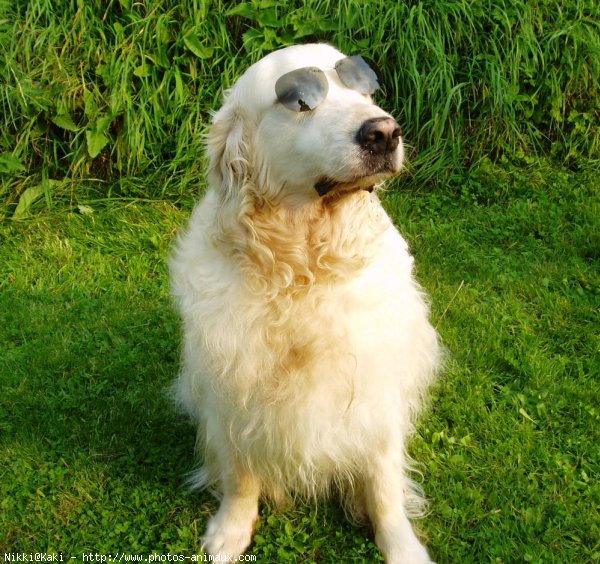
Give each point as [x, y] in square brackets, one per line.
[92, 455]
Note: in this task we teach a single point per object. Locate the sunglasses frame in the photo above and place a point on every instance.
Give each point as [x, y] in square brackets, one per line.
[297, 94]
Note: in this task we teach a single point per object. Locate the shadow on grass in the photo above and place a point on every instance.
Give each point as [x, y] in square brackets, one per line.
[87, 375]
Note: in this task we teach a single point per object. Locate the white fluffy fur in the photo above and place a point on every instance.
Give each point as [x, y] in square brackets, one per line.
[307, 350]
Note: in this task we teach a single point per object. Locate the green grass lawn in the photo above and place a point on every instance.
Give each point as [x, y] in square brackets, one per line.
[109, 100]
[92, 455]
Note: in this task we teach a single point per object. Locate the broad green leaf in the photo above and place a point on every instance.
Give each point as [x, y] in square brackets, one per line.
[65, 121]
[245, 10]
[96, 141]
[251, 38]
[9, 163]
[118, 30]
[103, 71]
[102, 124]
[303, 31]
[193, 44]
[179, 89]
[327, 25]
[26, 201]
[89, 100]
[265, 4]
[160, 58]
[85, 210]
[143, 71]
[270, 19]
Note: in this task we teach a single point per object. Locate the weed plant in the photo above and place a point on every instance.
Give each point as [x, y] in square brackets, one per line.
[113, 97]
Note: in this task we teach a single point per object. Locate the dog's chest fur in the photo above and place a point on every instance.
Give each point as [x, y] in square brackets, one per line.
[294, 250]
[305, 329]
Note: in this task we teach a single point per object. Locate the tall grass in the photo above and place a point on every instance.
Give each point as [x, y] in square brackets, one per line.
[118, 93]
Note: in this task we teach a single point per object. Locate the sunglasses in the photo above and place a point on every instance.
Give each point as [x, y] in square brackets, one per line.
[302, 90]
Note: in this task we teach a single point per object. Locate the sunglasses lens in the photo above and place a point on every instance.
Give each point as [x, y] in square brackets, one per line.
[303, 89]
[355, 73]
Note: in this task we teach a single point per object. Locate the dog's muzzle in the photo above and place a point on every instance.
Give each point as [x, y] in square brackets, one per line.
[379, 138]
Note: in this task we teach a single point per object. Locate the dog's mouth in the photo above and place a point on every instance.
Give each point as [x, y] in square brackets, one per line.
[373, 170]
[326, 185]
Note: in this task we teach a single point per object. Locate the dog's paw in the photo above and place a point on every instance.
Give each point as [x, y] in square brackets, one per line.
[401, 546]
[228, 534]
[414, 554]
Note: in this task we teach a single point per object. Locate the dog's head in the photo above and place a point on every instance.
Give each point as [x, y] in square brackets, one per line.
[300, 124]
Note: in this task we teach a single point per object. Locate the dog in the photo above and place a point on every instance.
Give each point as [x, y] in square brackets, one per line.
[307, 350]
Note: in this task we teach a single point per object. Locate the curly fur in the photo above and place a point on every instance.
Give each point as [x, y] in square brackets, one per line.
[307, 351]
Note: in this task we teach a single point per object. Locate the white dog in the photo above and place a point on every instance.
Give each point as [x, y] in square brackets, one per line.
[307, 350]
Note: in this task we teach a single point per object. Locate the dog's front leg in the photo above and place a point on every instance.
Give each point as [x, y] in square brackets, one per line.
[385, 492]
[229, 531]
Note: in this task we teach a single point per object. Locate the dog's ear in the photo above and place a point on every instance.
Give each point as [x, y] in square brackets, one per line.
[227, 148]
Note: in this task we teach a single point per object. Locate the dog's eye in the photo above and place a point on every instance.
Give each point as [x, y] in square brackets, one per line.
[303, 89]
[357, 74]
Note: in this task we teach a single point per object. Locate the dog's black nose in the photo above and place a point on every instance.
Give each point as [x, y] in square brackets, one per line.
[379, 135]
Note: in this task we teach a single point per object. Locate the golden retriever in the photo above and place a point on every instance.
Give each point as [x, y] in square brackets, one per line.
[307, 348]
